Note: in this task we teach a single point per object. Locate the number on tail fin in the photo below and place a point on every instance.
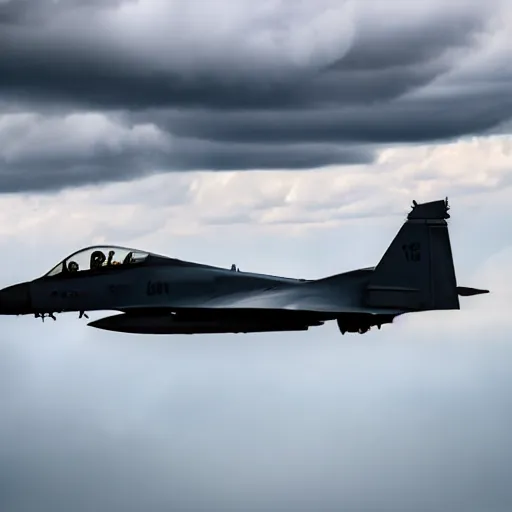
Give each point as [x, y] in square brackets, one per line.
[412, 251]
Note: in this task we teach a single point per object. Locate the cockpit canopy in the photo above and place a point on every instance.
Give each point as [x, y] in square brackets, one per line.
[98, 258]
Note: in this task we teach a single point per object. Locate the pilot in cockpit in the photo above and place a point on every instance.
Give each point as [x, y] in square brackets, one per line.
[73, 266]
[97, 260]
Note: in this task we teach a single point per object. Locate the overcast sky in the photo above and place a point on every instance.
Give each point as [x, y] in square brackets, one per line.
[288, 137]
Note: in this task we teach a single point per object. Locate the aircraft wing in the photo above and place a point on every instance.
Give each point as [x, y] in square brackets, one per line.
[323, 296]
[314, 297]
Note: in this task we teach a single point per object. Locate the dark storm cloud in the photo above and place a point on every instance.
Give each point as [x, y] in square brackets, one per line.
[51, 174]
[376, 67]
[252, 88]
[437, 118]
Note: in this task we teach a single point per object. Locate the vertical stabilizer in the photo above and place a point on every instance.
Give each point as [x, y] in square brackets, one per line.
[416, 273]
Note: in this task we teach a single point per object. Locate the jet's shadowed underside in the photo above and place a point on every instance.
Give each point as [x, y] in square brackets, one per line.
[161, 295]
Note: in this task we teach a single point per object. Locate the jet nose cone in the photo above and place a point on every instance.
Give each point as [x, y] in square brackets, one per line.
[15, 300]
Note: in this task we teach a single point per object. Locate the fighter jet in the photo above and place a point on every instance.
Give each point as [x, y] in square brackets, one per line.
[154, 294]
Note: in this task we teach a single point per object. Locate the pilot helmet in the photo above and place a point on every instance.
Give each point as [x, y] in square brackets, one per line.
[73, 266]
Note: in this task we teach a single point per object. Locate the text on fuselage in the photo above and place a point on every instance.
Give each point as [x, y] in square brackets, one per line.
[157, 288]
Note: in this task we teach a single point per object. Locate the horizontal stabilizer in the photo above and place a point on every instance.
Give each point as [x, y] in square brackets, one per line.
[464, 291]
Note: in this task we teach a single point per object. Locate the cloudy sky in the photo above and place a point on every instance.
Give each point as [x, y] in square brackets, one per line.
[288, 137]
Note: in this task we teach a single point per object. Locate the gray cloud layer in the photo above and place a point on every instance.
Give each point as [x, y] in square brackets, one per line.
[376, 67]
[275, 424]
[239, 86]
